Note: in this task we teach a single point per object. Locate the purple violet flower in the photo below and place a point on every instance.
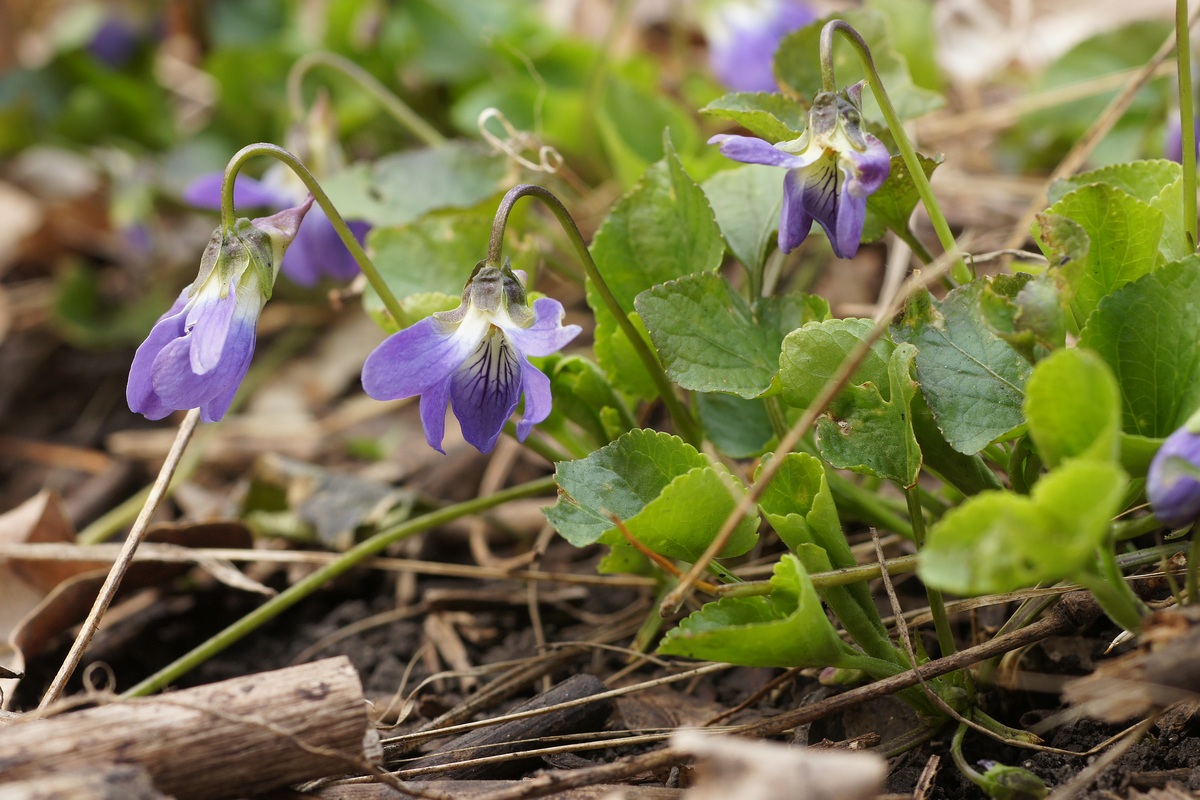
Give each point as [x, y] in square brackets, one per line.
[831, 170]
[474, 358]
[743, 36]
[1173, 483]
[198, 352]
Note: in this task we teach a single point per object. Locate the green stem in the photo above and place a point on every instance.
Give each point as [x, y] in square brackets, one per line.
[960, 272]
[1187, 124]
[399, 110]
[937, 606]
[343, 230]
[306, 586]
[918, 247]
[1112, 592]
[965, 768]
[685, 423]
[1133, 528]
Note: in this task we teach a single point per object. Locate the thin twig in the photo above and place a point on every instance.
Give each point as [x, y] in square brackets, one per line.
[113, 582]
[829, 391]
[1071, 614]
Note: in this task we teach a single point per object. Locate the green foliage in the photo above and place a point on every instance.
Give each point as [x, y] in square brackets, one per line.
[772, 116]
[746, 201]
[1027, 311]
[1123, 233]
[891, 206]
[736, 427]
[445, 246]
[662, 229]
[787, 629]
[671, 498]
[1000, 542]
[798, 67]
[1073, 406]
[583, 395]
[973, 381]
[707, 336]
[1146, 331]
[400, 188]
[1042, 137]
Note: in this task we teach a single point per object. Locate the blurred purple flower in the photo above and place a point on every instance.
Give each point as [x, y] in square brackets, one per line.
[743, 36]
[318, 251]
[115, 41]
[198, 352]
[831, 170]
[1173, 483]
[1174, 144]
[474, 358]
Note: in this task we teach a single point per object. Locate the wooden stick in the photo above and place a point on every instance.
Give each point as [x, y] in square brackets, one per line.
[115, 782]
[113, 582]
[230, 739]
[519, 734]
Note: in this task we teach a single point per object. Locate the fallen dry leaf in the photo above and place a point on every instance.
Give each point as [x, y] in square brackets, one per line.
[1163, 671]
[41, 598]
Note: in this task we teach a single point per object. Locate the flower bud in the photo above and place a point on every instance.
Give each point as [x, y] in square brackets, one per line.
[198, 352]
[1173, 484]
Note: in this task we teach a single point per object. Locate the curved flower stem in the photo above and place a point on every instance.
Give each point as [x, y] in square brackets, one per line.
[959, 271]
[685, 423]
[1187, 124]
[348, 239]
[399, 110]
[121, 565]
[306, 586]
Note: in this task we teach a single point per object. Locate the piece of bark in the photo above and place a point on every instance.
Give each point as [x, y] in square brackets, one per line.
[229, 739]
[116, 782]
[516, 735]
[467, 790]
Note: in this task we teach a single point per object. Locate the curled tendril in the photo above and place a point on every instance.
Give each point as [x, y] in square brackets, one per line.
[517, 142]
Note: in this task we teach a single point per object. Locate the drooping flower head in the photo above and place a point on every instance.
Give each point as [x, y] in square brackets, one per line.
[1173, 483]
[743, 36]
[198, 352]
[318, 251]
[831, 170]
[474, 358]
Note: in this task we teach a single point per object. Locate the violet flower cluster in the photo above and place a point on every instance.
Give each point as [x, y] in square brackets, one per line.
[474, 359]
[831, 170]
[198, 352]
